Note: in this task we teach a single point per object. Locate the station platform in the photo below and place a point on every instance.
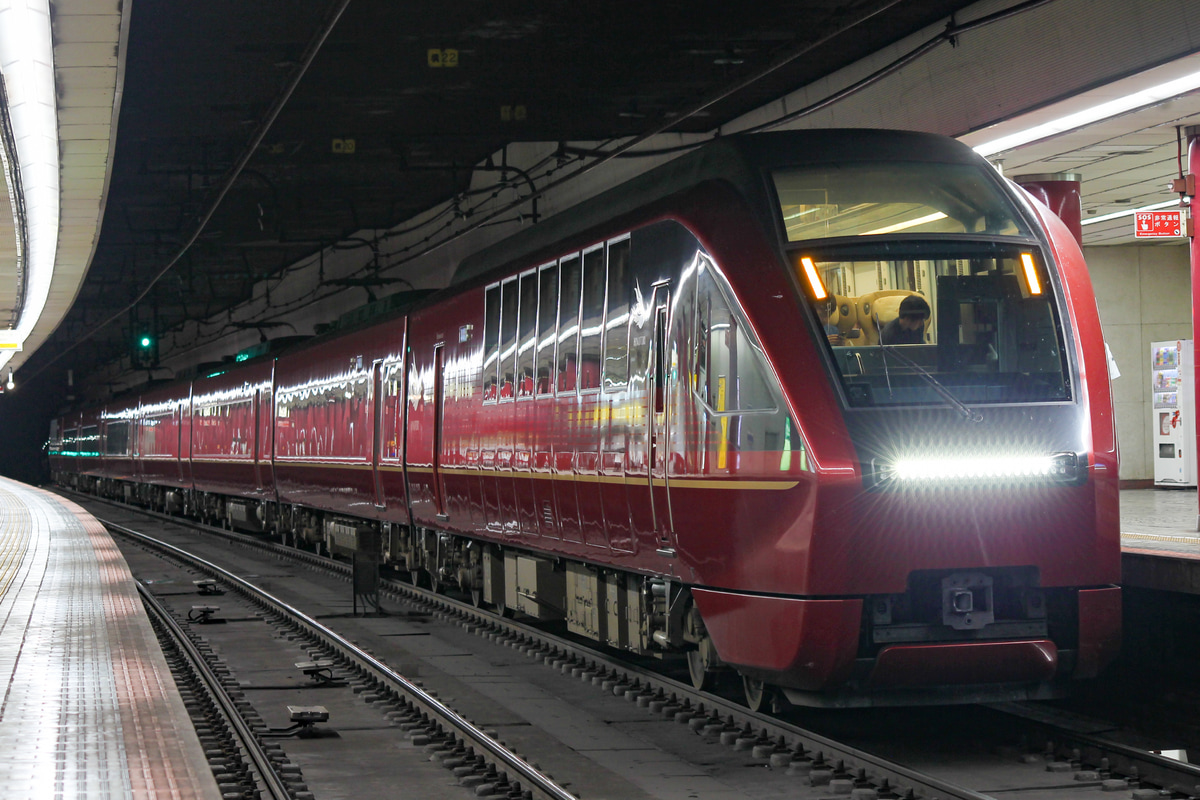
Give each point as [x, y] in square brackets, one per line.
[1160, 542]
[89, 707]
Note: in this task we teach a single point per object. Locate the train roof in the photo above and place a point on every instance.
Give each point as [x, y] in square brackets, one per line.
[738, 160]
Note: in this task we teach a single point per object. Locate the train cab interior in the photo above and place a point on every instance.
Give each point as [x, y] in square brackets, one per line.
[992, 333]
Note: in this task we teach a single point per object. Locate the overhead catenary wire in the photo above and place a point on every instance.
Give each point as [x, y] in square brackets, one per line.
[428, 245]
[947, 36]
[310, 53]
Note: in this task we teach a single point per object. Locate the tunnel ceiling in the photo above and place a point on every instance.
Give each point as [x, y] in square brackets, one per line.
[396, 106]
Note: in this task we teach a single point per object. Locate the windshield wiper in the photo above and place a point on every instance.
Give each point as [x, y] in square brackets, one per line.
[969, 414]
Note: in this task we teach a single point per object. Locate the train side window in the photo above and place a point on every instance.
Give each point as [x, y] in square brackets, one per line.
[391, 400]
[527, 327]
[568, 323]
[591, 321]
[616, 325]
[508, 338]
[89, 440]
[491, 341]
[728, 364]
[547, 324]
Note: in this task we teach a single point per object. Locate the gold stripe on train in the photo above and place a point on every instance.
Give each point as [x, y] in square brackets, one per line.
[678, 483]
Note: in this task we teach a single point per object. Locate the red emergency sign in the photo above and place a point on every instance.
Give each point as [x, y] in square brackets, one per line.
[1158, 224]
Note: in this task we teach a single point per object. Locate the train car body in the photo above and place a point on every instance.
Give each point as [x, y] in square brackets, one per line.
[120, 433]
[160, 444]
[230, 454]
[829, 409]
[338, 435]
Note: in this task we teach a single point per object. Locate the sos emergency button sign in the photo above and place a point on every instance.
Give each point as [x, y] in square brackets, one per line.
[1158, 224]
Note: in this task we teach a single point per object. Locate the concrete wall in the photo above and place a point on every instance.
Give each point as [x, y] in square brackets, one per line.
[1143, 293]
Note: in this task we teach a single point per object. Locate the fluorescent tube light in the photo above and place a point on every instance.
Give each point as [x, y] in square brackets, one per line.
[1144, 97]
[1129, 212]
[27, 63]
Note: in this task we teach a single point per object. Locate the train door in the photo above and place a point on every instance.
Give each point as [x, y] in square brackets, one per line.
[439, 402]
[180, 454]
[649, 363]
[377, 423]
[185, 439]
[257, 440]
[659, 433]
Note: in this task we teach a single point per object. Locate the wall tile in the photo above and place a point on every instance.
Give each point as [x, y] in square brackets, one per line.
[1143, 295]
[1131, 355]
[1116, 282]
[1133, 423]
[1165, 283]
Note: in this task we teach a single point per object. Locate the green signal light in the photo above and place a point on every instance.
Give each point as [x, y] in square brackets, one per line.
[146, 341]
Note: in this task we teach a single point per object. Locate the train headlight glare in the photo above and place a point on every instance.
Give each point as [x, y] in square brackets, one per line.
[1060, 466]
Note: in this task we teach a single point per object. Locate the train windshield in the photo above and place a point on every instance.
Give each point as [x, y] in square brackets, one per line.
[940, 322]
[878, 199]
[937, 290]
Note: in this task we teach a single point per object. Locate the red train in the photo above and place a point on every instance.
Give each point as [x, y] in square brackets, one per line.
[829, 409]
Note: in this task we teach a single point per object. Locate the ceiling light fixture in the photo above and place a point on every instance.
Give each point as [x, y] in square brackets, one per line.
[1129, 212]
[27, 64]
[1138, 99]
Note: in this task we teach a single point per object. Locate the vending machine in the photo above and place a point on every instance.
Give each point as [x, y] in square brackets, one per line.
[1173, 417]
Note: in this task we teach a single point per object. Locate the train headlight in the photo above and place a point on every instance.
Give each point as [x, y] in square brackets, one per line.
[1056, 467]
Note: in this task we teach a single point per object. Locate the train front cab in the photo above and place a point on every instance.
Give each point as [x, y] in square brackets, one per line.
[963, 540]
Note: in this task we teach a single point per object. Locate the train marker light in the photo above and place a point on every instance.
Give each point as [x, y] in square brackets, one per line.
[814, 279]
[1031, 276]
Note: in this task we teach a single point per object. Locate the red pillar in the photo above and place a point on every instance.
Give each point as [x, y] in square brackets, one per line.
[1059, 191]
[1193, 168]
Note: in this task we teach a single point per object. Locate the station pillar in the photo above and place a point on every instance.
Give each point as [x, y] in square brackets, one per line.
[1059, 191]
[1193, 169]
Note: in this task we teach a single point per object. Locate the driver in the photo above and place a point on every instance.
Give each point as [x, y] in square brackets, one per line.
[909, 326]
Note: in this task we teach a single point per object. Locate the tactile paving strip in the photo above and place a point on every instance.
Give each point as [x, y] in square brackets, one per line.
[89, 708]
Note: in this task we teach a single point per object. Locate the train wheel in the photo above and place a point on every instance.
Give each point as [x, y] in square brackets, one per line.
[703, 679]
[417, 578]
[758, 695]
[477, 596]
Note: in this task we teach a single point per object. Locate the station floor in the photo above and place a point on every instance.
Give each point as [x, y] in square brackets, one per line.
[1162, 519]
[88, 706]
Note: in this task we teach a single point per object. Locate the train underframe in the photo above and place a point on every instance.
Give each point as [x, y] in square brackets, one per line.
[1032, 631]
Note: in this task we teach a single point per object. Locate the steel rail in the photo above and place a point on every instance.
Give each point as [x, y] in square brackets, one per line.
[1167, 773]
[518, 768]
[275, 786]
[887, 775]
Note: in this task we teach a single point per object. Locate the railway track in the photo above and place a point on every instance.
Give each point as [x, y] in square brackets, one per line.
[509, 775]
[1091, 762]
[242, 762]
